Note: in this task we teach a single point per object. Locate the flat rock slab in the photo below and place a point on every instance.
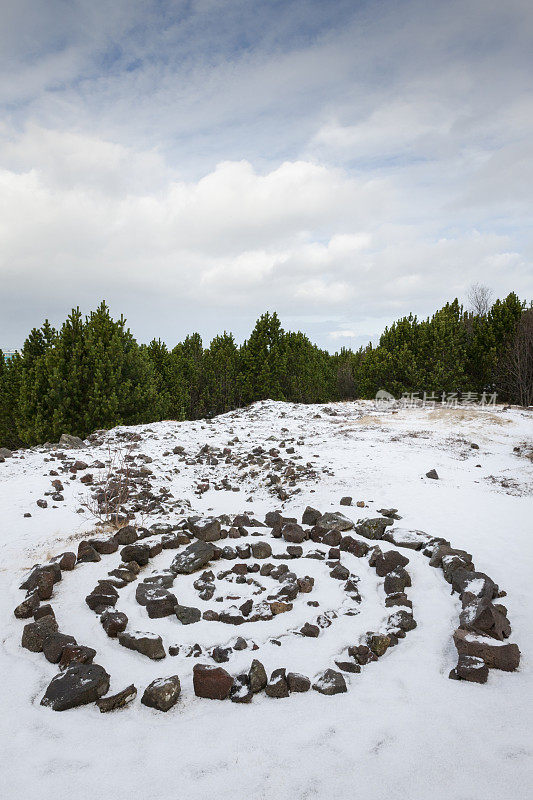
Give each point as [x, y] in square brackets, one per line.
[148, 644]
[78, 685]
[193, 558]
[118, 700]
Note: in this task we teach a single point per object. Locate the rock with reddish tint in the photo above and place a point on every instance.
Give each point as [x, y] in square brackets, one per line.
[76, 686]
[211, 682]
[298, 683]
[113, 622]
[362, 654]
[162, 694]
[35, 633]
[496, 656]
[148, 644]
[470, 668]
[76, 654]
[54, 645]
[330, 682]
[277, 686]
[118, 700]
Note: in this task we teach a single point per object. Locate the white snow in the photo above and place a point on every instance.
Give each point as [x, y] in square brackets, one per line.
[402, 731]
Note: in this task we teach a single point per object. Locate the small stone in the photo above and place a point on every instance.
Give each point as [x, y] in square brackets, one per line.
[187, 615]
[257, 676]
[118, 700]
[298, 683]
[148, 644]
[330, 682]
[113, 622]
[312, 631]
[470, 668]
[432, 474]
[277, 686]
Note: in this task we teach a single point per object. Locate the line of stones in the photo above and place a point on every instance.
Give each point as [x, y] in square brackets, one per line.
[483, 624]
[81, 674]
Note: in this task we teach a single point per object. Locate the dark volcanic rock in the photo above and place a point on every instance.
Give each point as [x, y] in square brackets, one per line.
[78, 685]
[496, 656]
[54, 645]
[187, 615]
[148, 644]
[470, 668]
[310, 516]
[298, 683]
[277, 686]
[207, 529]
[330, 682]
[193, 558]
[162, 693]
[387, 562]
[140, 553]
[118, 700]
[76, 654]
[113, 622]
[257, 676]
[35, 633]
[292, 532]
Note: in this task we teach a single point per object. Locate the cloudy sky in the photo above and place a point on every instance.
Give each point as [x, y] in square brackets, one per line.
[198, 162]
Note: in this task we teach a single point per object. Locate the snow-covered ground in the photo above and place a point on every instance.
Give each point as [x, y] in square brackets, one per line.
[403, 729]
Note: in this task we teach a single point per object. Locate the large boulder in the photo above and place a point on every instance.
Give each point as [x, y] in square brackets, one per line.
[211, 682]
[497, 656]
[76, 686]
[148, 644]
[162, 693]
[193, 558]
[330, 682]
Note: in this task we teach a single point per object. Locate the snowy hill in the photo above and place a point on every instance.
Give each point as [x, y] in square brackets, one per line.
[401, 730]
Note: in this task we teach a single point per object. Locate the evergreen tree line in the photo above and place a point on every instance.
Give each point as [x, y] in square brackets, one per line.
[93, 374]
